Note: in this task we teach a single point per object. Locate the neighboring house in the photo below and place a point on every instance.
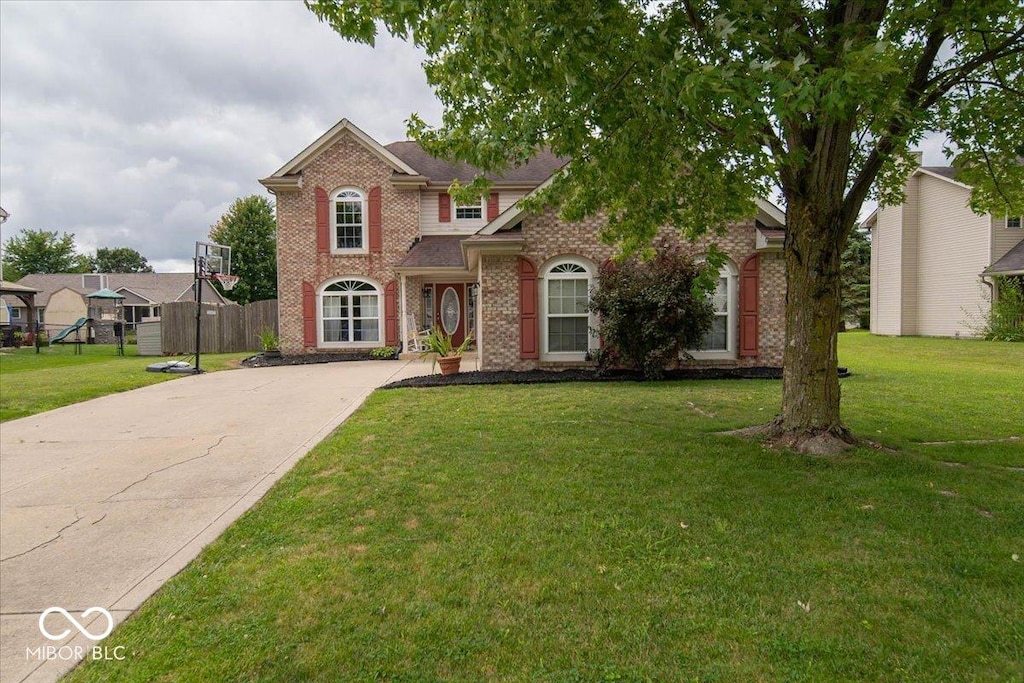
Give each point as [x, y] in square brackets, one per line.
[61, 299]
[371, 247]
[932, 258]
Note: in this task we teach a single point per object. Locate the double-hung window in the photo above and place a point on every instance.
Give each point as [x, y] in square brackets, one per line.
[717, 338]
[567, 322]
[349, 220]
[469, 212]
[720, 341]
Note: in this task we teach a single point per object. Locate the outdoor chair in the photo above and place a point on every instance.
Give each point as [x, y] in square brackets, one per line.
[416, 336]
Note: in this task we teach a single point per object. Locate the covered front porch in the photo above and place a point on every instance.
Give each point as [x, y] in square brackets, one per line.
[440, 283]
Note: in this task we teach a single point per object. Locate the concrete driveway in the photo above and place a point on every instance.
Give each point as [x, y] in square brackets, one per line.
[103, 501]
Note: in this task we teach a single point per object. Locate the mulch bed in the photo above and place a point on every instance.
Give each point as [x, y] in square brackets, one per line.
[521, 377]
[260, 361]
[577, 375]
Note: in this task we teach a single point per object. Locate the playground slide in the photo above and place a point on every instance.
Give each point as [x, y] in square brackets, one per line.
[82, 322]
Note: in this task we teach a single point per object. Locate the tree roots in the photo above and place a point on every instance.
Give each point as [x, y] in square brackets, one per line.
[823, 442]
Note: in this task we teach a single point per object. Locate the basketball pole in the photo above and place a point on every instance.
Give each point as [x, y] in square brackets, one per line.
[199, 310]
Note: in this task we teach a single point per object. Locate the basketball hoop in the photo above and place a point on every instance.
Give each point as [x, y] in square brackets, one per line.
[228, 282]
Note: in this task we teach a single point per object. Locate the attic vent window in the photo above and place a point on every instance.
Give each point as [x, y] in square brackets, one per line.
[94, 281]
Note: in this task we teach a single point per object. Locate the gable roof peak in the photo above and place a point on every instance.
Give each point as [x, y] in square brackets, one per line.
[342, 127]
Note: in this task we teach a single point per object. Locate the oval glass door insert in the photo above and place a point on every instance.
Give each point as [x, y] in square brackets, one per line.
[450, 313]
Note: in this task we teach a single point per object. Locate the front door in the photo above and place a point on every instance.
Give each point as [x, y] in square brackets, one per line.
[450, 310]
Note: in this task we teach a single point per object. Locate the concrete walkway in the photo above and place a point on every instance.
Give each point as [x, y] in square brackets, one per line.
[103, 501]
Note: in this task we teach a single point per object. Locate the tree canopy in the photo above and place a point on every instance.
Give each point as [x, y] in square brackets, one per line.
[681, 112]
[249, 228]
[42, 251]
[120, 260]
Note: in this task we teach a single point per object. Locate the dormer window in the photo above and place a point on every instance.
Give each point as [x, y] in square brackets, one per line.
[349, 216]
[469, 212]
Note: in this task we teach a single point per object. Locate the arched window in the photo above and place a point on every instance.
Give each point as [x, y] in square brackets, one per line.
[350, 313]
[566, 321]
[349, 220]
[720, 340]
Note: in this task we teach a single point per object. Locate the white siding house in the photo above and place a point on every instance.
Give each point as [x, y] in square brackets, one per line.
[928, 257]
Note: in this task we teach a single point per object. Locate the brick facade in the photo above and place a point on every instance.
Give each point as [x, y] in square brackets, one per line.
[347, 163]
[350, 163]
[548, 238]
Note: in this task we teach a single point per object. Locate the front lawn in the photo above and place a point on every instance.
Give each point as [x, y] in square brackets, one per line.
[587, 532]
[33, 382]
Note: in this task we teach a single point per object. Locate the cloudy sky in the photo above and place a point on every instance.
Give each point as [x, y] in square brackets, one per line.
[137, 123]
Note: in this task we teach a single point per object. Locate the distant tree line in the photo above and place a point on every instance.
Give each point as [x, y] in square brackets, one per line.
[248, 227]
[46, 251]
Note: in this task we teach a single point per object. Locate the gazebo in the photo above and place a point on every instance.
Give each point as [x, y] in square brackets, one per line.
[28, 297]
[96, 301]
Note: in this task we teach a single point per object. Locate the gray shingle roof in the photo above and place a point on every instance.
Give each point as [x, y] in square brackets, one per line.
[436, 251]
[1011, 262]
[535, 171]
[160, 288]
[944, 171]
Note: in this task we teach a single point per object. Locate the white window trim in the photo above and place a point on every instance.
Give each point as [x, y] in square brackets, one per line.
[479, 205]
[731, 275]
[320, 343]
[545, 277]
[365, 249]
[15, 313]
[1020, 222]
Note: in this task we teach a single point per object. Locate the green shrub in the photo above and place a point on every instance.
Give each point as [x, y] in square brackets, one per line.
[1005, 320]
[268, 339]
[652, 311]
[131, 338]
[383, 353]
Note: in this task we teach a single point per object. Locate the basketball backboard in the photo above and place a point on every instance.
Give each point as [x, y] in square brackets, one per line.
[212, 259]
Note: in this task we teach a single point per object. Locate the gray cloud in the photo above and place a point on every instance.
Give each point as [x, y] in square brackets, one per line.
[137, 124]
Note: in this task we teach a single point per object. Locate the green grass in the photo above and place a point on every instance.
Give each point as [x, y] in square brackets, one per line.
[607, 533]
[31, 383]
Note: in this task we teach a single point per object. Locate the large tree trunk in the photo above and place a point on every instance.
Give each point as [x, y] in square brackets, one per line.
[810, 395]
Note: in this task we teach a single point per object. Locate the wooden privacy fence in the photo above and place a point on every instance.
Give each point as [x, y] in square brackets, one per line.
[224, 328]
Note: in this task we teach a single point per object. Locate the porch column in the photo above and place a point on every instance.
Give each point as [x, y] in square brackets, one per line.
[479, 322]
[401, 312]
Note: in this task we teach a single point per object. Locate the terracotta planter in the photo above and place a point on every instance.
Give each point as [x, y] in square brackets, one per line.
[450, 364]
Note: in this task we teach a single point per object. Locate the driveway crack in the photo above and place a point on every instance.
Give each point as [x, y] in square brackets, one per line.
[60, 532]
[164, 469]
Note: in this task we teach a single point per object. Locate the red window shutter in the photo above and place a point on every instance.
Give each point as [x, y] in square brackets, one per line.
[492, 206]
[528, 331]
[308, 314]
[444, 207]
[749, 279]
[391, 313]
[376, 237]
[323, 221]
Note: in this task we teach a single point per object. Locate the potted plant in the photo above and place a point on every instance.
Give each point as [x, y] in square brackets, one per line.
[441, 347]
[270, 343]
[18, 338]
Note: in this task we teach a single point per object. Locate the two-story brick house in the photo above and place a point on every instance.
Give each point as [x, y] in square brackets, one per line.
[371, 246]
